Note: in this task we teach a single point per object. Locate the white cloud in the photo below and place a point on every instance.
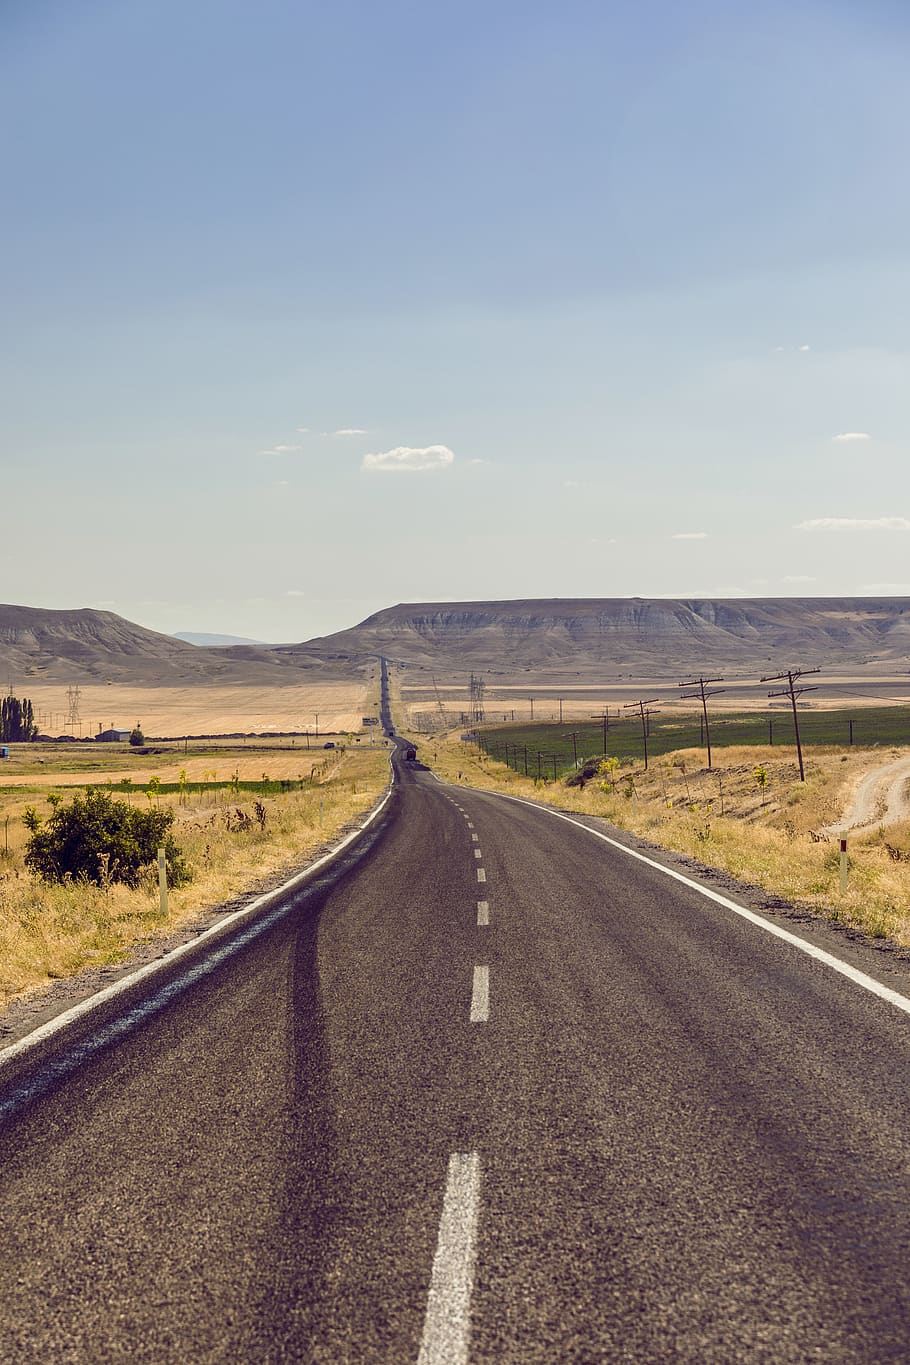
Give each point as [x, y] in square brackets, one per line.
[571, 483]
[853, 436]
[854, 524]
[885, 590]
[351, 431]
[409, 459]
[805, 348]
[689, 535]
[798, 578]
[295, 592]
[279, 450]
[303, 430]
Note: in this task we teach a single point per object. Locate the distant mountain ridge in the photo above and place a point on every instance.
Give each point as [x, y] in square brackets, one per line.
[84, 645]
[651, 635]
[206, 641]
[586, 637]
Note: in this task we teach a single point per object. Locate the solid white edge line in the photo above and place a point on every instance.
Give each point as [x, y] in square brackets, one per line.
[447, 1324]
[853, 974]
[230, 922]
[480, 996]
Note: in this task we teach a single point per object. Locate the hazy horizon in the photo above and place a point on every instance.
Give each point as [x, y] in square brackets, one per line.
[312, 311]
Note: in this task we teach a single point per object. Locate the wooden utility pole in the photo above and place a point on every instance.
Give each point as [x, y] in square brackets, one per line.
[702, 694]
[792, 691]
[574, 738]
[604, 718]
[642, 708]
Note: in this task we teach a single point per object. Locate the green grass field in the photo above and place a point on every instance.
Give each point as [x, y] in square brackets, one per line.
[520, 743]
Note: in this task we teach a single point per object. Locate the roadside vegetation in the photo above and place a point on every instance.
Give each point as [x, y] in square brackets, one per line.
[749, 816]
[224, 832]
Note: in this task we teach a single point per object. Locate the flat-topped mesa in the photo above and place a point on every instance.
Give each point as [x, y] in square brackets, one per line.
[656, 635]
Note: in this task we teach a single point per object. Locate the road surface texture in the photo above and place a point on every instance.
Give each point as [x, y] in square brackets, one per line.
[494, 1092]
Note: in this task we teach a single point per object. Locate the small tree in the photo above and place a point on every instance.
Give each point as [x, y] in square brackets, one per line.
[607, 768]
[760, 774]
[137, 738]
[97, 839]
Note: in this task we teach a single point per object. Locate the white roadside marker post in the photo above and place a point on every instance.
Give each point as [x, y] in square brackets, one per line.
[162, 883]
[843, 866]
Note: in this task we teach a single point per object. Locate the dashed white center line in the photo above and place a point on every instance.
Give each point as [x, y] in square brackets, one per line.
[474, 838]
[481, 875]
[483, 912]
[477, 853]
[447, 1325]
[480, 996]
[470, 824]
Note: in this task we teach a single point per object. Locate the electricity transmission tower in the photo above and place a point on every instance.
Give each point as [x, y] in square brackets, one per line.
[440, 707]
[792, 691]
[478, 687]
[73, 718]
[702, 694]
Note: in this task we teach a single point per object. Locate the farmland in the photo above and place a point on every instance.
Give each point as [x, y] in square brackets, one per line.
[518, 745]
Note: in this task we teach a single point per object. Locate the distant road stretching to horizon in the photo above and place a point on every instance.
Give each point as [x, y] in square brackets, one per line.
[494, 1091]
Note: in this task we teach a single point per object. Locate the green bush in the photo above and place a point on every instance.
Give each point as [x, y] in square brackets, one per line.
[95, 838]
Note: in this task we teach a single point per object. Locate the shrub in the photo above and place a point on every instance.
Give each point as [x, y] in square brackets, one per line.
[137, 738]
[95, 838]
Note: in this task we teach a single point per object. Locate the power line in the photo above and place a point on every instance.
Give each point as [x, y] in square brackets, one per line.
[792, 691]
[702, 684]
[643, 708]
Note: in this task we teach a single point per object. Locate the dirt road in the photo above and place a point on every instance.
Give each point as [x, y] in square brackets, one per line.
[882, 797]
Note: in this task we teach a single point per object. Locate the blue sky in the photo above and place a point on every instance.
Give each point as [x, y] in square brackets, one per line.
[594, 291]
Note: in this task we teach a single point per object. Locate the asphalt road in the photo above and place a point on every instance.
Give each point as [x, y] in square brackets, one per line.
[647, 1132]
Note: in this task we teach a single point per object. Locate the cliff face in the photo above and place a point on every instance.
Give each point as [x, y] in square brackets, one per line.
[650, 634]
[595, 637]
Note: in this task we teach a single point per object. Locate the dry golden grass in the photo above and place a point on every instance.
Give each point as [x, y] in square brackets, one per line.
[201, 710]
[53, 931]
[769, 835]
[35, 766]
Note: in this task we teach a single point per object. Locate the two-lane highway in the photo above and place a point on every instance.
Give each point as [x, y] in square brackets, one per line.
[499, 1092]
